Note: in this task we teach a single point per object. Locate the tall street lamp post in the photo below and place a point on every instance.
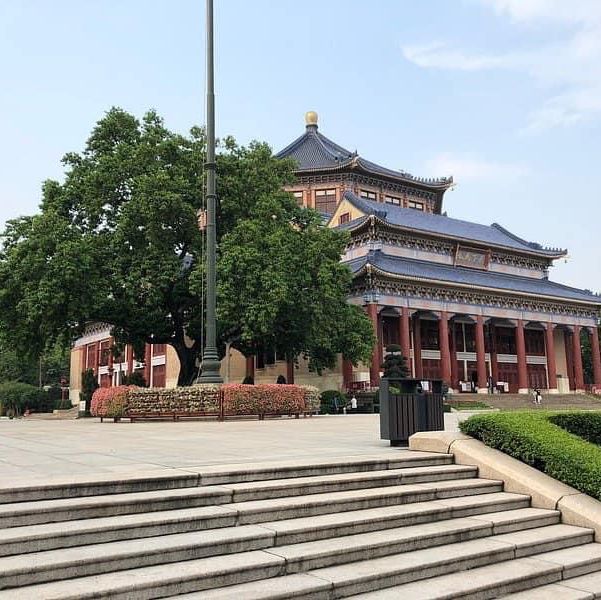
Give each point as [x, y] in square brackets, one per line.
[210, 359]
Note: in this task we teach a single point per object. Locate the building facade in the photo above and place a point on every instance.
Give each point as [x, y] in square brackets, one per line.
[94, 350]
[468, 303]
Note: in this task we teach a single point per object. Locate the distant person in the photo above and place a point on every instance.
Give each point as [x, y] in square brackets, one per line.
[281, 379]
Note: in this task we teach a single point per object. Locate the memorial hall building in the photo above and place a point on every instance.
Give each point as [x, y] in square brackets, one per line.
[468, 303]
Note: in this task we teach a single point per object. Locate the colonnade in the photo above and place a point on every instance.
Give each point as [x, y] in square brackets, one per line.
[410, 338]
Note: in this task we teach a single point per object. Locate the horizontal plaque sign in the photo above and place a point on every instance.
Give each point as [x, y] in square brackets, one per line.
[470, 257]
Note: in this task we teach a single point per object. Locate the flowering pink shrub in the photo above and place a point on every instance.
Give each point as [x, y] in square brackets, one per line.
[110, 402]
[263, 399]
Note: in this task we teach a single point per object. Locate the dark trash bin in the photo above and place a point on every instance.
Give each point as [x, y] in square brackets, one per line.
[408, 406]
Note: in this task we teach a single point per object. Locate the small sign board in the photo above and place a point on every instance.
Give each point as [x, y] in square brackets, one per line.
[472, 258]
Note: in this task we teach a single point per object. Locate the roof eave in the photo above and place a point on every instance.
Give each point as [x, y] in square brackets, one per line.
[385, 273]
[530, 252]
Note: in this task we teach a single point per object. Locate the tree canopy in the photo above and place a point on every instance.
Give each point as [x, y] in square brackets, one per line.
[118, 242]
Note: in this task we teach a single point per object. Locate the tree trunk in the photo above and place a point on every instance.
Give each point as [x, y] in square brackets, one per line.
[187, 358]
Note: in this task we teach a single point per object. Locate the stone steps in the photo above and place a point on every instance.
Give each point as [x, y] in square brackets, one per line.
[304, 554]
[502, 579]
[50, 536]
[68, 509]
[76, 487]
[312, 530]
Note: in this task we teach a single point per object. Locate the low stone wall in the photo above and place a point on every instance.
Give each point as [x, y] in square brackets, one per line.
[576, 508]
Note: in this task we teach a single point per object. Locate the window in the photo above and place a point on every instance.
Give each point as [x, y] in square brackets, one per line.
[392, 200]
[429, 334]
[105, 351]
[535, 342]
[344, 218]
[325, 201]
[415, 205]
[91, 356]
[298, 196]
[369, 195]
[158, 349]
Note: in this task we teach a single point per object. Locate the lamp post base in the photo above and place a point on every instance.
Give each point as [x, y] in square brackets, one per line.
[210, 368]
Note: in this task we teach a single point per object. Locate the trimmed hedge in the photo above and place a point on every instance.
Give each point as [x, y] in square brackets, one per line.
[196, 399]
[312, 398]
[263, 399]
[540, 440]
[229, 399]
[110, 402]
[586, 425]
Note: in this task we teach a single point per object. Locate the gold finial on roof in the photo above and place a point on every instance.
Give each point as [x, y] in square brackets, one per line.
[311, 118]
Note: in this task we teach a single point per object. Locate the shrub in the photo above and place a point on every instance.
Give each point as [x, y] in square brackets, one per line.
[17, 397]
[332, 402]
[395, 364]
[110, 402]
[89, 384]
[263, 399]
[62, 404]
[312, 398]
[585, 425]
[55, 392]
[537, 439]
[196, 399]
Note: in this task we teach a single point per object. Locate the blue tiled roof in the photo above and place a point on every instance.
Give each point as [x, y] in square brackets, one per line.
[314, 151]
[489, 235]
[411, 268]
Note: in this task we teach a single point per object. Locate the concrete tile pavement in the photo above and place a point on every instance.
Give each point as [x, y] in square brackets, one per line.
[35, 449]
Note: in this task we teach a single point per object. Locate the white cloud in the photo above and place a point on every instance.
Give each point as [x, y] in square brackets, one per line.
[569, 68]
[467, 167]
[560, 11]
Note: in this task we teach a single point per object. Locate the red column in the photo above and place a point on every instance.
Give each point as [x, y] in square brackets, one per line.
[374, 370]
[417, 347]
[594, 333]
[147, 363]
[520, 343]
[445, 353]
[480, 353]
[111, 361]
[567, 340]
[98, 347]
[130, 359]
[577, 352]
[551, 364]
[494, 365]
[250, 366]
[290, 371]
[404, 335]
[454, 371]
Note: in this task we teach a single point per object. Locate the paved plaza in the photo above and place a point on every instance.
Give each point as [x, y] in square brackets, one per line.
[36, 449]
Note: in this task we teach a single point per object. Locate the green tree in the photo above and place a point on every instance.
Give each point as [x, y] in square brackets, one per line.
[48, 369]
[118, 242]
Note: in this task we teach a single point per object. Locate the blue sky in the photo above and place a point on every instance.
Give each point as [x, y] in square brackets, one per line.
[503, 94]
